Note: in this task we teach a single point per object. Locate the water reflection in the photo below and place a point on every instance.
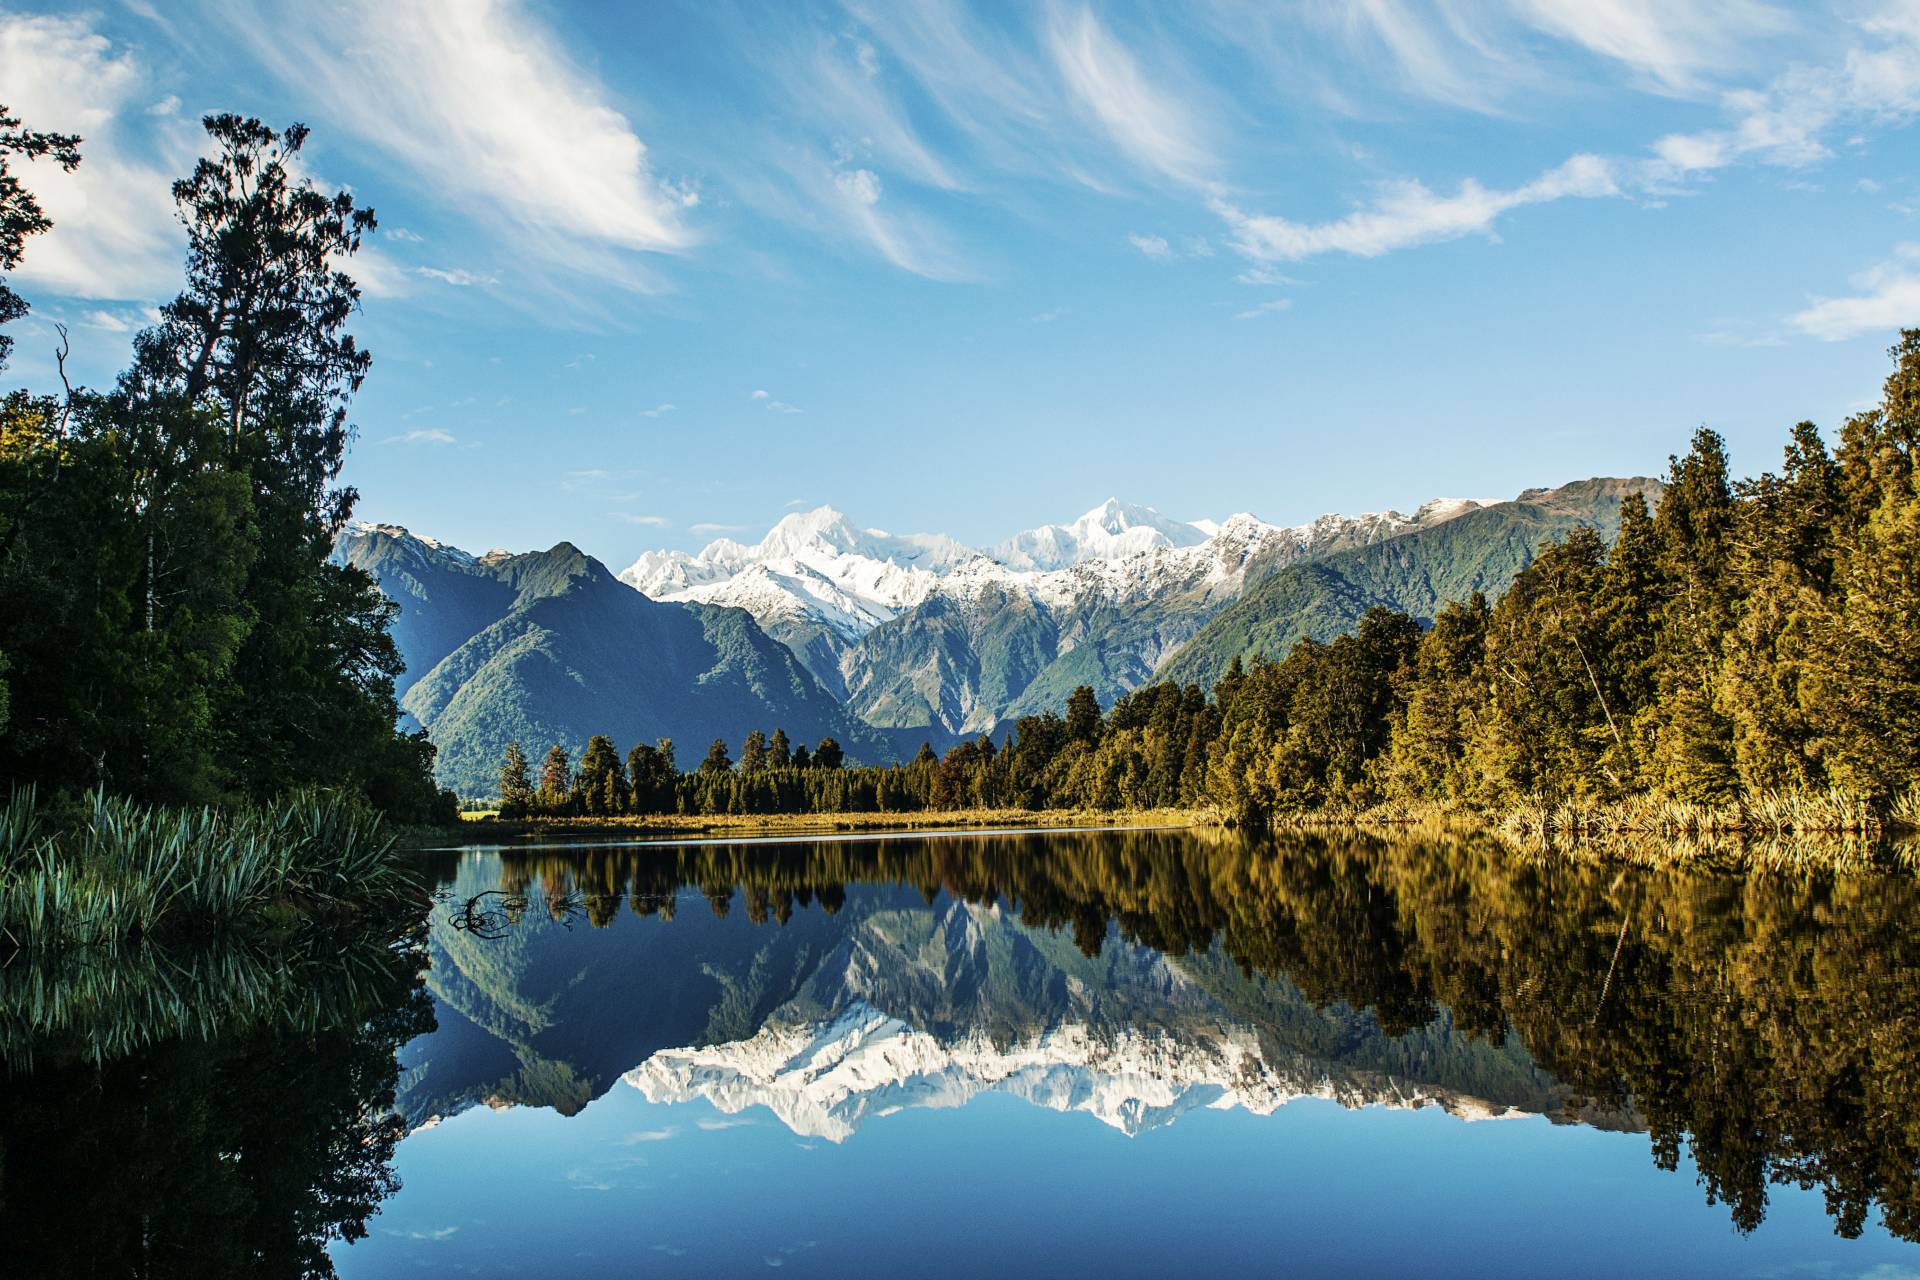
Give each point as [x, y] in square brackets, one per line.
[220, 1111]
[1762, 1024]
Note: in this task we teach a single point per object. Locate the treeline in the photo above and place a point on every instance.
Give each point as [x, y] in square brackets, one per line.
[1747, 638]
[172, 628]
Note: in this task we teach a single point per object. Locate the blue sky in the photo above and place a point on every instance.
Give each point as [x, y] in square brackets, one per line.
[648, 274]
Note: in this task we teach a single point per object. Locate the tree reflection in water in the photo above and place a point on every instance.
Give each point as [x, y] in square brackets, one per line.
[1766, 1023]
[219, 1112]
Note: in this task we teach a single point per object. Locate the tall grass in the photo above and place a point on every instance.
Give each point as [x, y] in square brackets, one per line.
[122, 870]
[1759, 813]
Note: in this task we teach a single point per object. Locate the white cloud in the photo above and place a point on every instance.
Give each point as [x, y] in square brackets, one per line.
[1888, 298]
[481, 102]
[1675, 42]
[107, 321]
[1152, 246]
[428, 435]
[647, 1135]
[1409, 213]
[1049, 315]
[653, 522]
[773, 405]
[457, 276]
[859, 185]
[401, 234]
[1152, 126]
[1787, 122]
[658, 411]
[114, 233]
[1267, 308]
[706, 528]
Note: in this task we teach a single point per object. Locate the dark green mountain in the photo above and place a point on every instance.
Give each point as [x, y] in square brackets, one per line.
[550, 647]
[1416, 573]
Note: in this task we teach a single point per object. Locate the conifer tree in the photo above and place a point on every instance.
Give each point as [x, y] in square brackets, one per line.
[779, 750]
[717, 761]
[753, 752]
[556, 778]
[516, 787]
[828, 754]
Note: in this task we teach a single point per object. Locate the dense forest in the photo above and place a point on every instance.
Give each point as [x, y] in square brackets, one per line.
[172, 628]
[1752, 644]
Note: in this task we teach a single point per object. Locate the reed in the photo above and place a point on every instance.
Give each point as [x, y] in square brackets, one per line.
[124, 870]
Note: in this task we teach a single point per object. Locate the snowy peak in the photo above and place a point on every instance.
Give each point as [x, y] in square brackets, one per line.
[1111, 531]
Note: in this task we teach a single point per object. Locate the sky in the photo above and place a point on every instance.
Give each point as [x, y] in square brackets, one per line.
[646, 275]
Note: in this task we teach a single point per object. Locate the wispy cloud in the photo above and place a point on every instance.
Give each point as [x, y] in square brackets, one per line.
[1790, 120]
[455, 276]
[1265, 309]
[437, 1233]
[648, 1135]
[1150, 124]
[427, 435]
[1409, 213]
[1049, 315]
[1887, 297]
[705, 527]
[482, 101]
[658, 411]
[1155, 247]
[1675, 43]
[652, 522]
[114, 233]
[773, 405]
[725, 1122]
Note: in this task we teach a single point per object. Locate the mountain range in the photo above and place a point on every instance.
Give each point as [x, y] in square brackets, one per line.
[884, 641]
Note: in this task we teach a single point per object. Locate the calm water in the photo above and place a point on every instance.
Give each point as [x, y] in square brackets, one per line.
[1104, 1054]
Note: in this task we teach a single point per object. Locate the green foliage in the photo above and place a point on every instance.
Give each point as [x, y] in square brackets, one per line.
[174, 627]
[124, 871]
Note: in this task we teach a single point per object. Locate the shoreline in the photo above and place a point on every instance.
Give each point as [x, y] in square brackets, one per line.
[804, 824]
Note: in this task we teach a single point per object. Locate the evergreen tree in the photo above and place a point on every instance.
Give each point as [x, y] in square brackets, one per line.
[802, 758]
[1862, 693]
[1692, 739]
[828, 755]
[1083, 715]
[556, 779]
[516, 787]
[600, 786]
[753, 752]
[779, 751]
[717, 761]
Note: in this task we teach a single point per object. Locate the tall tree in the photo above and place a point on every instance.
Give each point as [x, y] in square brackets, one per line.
[779, 750]
[556, 777]
[20, 214]
[717, 761]
[516, 786]
[753, 752]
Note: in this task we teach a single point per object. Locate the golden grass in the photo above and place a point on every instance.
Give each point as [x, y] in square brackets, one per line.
[744, 824]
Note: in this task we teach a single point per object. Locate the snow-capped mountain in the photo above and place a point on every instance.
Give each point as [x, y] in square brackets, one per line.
[1111, 531]
[822, 585]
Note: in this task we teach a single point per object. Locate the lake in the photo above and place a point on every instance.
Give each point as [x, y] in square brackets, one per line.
[1089, 1053]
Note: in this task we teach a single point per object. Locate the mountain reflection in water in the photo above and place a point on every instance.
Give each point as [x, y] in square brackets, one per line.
[1763, 1024]
[912, 1012]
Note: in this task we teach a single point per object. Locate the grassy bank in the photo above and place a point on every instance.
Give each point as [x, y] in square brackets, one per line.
[113, 871]
[762, 824]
